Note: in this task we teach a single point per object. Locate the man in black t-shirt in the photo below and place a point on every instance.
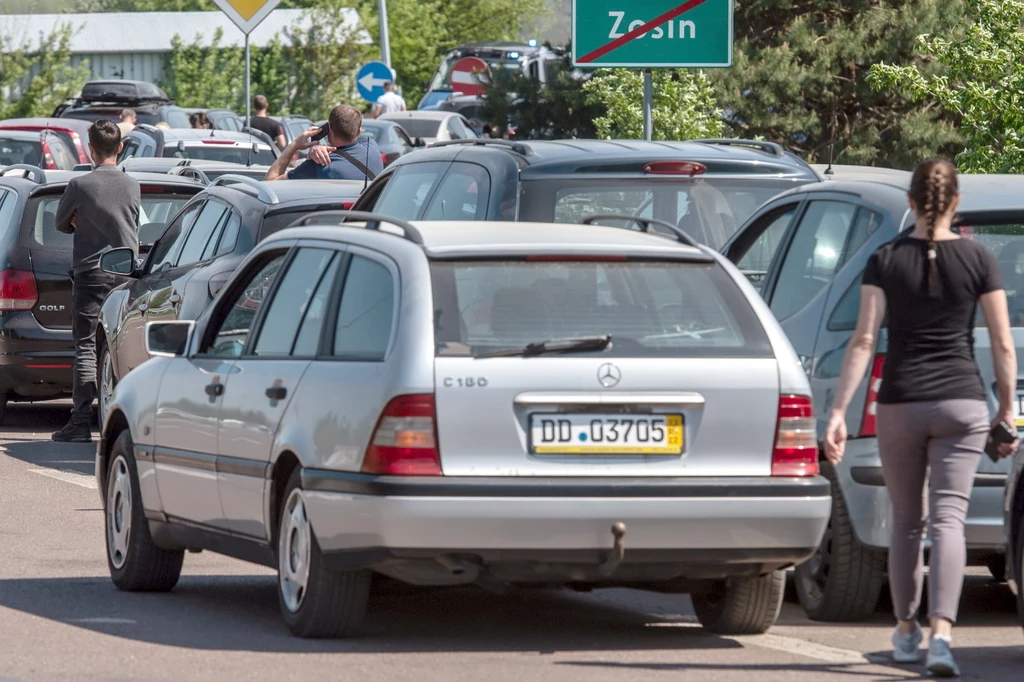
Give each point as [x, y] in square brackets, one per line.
[260, 121]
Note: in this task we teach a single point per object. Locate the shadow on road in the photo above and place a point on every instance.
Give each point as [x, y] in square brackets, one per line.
[241, 613]
[25, 436]
[43, 417]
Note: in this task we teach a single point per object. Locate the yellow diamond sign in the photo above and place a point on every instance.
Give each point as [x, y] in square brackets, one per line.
[247, 14]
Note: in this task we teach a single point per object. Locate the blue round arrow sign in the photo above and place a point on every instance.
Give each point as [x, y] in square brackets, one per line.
[371, 79]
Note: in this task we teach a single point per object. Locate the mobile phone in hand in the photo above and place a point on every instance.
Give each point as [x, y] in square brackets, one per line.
[322, 134]
[1001, 433]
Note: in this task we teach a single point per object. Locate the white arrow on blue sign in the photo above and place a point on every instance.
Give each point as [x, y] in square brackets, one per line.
[371, 79]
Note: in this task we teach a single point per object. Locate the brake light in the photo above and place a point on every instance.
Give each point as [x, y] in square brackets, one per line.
[868, 422]
[384, 158]
[346, 205]
[48, 162]
[796, 440]
[576, 259]
[153, 189]
[17, 290]
[690, 168]
[404, 442]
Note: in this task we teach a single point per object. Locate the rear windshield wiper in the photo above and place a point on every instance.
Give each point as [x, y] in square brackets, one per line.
[580, 344]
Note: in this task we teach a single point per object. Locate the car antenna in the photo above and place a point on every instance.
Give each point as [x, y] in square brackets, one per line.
[831, 148]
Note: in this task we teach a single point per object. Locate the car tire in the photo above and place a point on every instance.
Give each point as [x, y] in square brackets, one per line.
[105, 382]
[315, 600]
[1018, 571]
[842, 582]
[996, 565]
[136, 563]
[744, 606]
[3, 409]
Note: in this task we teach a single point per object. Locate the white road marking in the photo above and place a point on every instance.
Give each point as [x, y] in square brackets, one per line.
[103, 621]
[802, 647]
[68, 477]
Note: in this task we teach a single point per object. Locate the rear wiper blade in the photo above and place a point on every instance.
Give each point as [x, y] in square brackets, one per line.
[579, 344]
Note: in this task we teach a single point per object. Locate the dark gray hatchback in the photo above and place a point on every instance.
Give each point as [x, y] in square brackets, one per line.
[707, 187]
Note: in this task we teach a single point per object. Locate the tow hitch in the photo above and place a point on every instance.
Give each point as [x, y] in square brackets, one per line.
[614, 558]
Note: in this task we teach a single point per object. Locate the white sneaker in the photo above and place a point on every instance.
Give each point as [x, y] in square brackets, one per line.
[940, 658]
[906, 646]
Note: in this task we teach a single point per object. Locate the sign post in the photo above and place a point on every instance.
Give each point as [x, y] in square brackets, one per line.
[652, 34]
[247, 15]
[385, 41]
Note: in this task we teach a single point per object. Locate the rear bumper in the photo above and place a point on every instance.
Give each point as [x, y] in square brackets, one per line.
[863, 487]
[35, 362]
[365, 520]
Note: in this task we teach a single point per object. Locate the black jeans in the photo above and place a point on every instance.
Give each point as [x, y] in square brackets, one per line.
[88, 292]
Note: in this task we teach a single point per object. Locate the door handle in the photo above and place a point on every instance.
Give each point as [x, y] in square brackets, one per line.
[175, 299]
[215, 389]
[143, 307]
[276, 392]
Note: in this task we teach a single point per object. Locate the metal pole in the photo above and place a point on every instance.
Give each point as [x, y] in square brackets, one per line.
[648, 117]
[385, 43]
[248, 98]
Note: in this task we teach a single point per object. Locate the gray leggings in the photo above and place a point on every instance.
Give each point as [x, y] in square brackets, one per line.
[948, 437]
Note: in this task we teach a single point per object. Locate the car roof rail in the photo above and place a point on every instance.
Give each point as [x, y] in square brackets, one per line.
[517, 147]
[770, 148]
[373, 222]
[263, 193]
[645, 226]
[190, 172]
[147, 127]
[34, 173]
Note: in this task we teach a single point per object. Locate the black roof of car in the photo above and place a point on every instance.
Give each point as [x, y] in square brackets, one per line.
[285, 194]
[541, 158]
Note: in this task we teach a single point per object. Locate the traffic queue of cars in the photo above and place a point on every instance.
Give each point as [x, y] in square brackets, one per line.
[304, 380]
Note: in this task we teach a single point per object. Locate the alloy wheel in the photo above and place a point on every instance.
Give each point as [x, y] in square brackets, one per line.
[294, 551]
[820, 564]
[106, 388]
[119, 512]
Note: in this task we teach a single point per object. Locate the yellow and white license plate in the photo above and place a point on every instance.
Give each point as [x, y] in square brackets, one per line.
[1020, 406]
[606, 434]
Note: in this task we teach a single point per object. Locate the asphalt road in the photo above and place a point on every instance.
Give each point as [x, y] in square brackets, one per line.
[62, 619]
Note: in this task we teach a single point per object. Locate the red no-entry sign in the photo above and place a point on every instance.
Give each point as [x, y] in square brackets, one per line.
[470, 76]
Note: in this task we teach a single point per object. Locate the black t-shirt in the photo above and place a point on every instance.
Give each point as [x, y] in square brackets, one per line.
[931, 340]
[267, 125]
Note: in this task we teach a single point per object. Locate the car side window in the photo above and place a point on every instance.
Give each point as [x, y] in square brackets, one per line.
[228, 235]
[234, 319]
[307, 343]
[166, 248]
[468, 127]
[403, 137]
[176, 118]
[462, 195]
[456, 129]
[131, 148]
[844, 317]
[204, 231]
[280, 327]
[813, 256]
[408, 189]
[757, 261]
[865, 224]
[366, 312]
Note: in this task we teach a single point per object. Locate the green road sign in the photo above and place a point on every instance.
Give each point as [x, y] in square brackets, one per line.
[651, 34]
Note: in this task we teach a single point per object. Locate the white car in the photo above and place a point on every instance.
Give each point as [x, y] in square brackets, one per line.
[433, 126]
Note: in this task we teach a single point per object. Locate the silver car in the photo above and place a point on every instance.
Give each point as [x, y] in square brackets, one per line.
[453, 403]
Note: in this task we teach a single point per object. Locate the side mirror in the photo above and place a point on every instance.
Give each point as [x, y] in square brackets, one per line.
[168, 339]
[419, 142]
[118, 262]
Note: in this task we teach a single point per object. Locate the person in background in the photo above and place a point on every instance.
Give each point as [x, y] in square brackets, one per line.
[933, 419]
[128, 120]
[345, 156]
[388, 103]
[260, 121]
[200, 121]
[101, 209]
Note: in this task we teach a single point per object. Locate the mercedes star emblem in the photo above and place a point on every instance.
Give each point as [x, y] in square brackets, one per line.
[608, 375]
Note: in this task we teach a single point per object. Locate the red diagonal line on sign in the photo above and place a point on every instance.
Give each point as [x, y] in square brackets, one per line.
[640, 30]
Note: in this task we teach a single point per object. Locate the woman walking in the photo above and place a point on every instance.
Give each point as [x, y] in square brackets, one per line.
[932, 414]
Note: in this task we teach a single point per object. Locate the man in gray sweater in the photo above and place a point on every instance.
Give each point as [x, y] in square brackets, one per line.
[101, 209]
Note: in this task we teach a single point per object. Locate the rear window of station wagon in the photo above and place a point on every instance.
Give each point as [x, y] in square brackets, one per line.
[650, 308]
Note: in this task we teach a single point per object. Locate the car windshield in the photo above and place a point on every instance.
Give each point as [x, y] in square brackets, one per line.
[650, 308]
[228, 153]
[373, 133]
[13, 150]
[41, 215]
[420, 127]
[709, 209]
[1007, 243]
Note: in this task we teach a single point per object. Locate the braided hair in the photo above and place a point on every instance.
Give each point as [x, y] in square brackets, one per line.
[933, 188]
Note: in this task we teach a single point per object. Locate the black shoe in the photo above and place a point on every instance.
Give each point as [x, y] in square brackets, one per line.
[73, 433]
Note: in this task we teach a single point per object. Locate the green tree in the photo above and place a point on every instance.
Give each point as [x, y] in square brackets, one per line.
[799, 79]
[983, 83]
[35, 79]
[422, 31]
[201, 75]
[683, 106]
[558, 109]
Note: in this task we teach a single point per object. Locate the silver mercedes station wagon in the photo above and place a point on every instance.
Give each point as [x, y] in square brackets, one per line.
[470, 403]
